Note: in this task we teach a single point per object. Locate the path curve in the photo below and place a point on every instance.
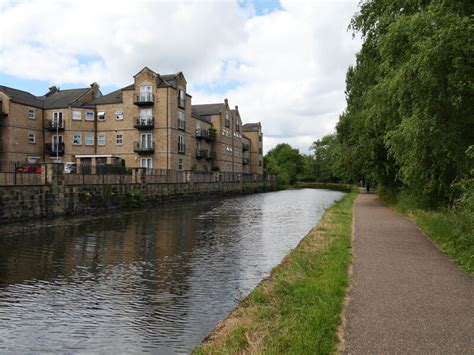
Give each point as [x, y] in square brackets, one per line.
[406, 295]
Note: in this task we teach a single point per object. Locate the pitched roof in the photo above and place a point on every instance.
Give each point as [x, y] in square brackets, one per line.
[208, 109]
[63, 98]
[251, 127]
[21, 97]
[115, 97]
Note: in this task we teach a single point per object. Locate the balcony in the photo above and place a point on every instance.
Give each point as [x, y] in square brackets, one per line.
[211, 155]
[245, 161]
[54, 149]
[210, 135]
[144, 147]
[200, 154]
[55, 126]
[199, 134]
[181, 148]
[144, 123]
[245, 147]
[143, 99]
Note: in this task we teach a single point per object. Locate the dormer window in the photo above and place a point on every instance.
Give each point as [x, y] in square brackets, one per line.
[181, 98]
[101, 116]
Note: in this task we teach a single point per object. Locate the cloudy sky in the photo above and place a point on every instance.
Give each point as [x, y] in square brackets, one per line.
[282, 62]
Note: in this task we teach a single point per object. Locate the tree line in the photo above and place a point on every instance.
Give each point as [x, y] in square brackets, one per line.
[409, 119]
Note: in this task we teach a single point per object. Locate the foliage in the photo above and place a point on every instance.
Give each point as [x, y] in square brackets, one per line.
[285, 162]
[410, 97]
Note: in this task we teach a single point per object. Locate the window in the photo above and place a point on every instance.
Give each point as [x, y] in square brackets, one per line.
[259, 137]
[146, 117]
[181, 122]
[227, 121]
[237, 127]
[259, 150]
[145, 94]
[101, 139]
[58, 119]
[118, 138]
[181, 145]
[146, 140]
[89, 116]
[146, 163]
[76, 115]
[259, 163]
[181, 98]
[31, 114]
[119, 115]
[32, 138]
[180, 164]
[101, 116]
[76, 139]
[89, 139]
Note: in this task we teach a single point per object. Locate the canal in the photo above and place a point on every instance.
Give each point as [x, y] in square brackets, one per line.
[155, 280]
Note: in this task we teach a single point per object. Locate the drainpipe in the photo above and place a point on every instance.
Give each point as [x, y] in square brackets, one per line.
[167, 133]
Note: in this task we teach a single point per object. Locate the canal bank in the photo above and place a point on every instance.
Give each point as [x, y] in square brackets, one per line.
[25, 202]
[297, 309]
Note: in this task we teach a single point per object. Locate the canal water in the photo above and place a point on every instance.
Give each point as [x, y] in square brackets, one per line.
[155, 280]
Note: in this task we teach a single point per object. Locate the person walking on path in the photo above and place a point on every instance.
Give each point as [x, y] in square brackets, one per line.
[406, 296]
[367, 186]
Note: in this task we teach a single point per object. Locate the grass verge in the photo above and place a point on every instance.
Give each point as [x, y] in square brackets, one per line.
[297, 309]
[452, 230]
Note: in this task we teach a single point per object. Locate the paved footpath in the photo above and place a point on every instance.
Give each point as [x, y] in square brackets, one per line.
[406, 296]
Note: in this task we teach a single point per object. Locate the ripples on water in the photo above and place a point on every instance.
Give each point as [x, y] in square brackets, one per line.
[156, 280]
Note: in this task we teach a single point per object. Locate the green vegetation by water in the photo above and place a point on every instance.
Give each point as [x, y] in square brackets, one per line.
[297, 309]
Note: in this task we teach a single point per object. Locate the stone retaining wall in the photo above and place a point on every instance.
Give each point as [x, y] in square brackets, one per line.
[21, 202]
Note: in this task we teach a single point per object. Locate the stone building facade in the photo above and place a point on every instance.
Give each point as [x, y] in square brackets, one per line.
[150, 123]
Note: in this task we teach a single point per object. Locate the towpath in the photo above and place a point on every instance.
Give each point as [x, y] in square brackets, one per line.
[406, 295]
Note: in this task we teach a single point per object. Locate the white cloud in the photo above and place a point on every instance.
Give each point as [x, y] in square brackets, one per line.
[290, 64]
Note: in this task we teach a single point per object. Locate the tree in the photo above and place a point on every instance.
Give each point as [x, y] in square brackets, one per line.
[285, 162]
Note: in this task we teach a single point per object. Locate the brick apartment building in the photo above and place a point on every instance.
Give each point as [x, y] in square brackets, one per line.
[150, 123]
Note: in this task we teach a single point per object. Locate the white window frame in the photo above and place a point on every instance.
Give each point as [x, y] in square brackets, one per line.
[76, 115]
[119, 115]
[89, 139]
[101, 139]
[101, 116]
[31, 138]
[146, 140]
[181, 120]
[88, 116]
[79, 139]
[146, 93]
[32, 114]
[118, 138]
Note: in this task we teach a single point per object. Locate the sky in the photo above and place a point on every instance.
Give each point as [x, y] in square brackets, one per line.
[283, 63]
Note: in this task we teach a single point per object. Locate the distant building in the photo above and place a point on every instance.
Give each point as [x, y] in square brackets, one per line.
[150, 123]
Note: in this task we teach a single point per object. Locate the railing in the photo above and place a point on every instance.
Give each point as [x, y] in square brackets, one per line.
[200, 154]
[144, 148]
[143, 99]
[37, 174]
[245, 146]
[245, 161]
[199, 134]
[55, 126]
[210, 135]
[144, 122]
[54, 148]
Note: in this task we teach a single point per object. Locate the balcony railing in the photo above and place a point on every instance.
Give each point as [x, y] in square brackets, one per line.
[56, 126]
[181, 148]
[144, 147]
[200, 154]
[144, 122]
[245, 146]
[210, 135]
[199, 134]
[143, 99]
[54, 149]
[211, 155]
[245, 161]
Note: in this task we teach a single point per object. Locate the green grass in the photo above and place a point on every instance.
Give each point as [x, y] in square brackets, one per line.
[451, 229]
[297, 309]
